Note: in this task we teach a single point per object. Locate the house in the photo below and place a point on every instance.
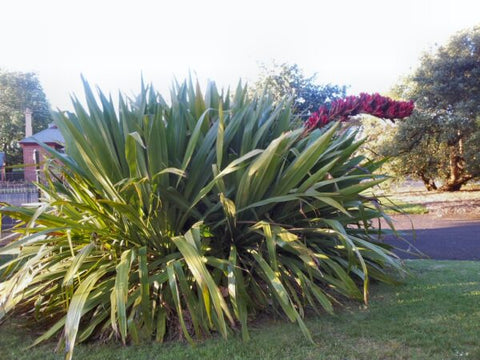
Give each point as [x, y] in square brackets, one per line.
[34, 154]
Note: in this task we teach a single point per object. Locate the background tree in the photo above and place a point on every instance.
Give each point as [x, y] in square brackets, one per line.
[19, 91]
[440, 140]
[288, 80]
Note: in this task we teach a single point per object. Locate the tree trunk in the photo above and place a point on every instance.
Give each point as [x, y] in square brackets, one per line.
[456, 186]
[428, 182]
[457, 177]
[451, 186]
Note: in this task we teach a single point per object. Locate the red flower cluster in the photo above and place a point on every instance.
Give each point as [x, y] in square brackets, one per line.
[376, 105]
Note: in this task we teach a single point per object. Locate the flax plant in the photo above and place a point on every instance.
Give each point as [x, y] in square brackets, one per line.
[182, 219]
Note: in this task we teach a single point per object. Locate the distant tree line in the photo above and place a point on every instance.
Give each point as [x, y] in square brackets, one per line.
[19, 91]
[288, 81]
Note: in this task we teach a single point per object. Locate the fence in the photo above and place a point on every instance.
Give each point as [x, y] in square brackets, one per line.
[16, 194]
[16, 176]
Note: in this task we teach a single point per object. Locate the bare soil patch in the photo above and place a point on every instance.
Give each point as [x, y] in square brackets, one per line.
[464, 203]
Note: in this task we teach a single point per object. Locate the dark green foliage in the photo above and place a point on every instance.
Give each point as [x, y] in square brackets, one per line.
[19, 91]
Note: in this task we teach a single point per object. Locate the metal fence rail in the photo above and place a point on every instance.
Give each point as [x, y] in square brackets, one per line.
[16, 194]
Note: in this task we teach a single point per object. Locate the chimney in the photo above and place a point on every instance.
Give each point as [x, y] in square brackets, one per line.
[28, 122]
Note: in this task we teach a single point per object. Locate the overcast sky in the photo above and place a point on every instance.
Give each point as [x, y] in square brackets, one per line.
[367, 44]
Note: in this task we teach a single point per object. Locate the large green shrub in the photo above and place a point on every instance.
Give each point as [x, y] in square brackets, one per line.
[183, 219]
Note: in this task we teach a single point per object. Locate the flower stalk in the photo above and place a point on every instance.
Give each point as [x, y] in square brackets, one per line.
[372, 104]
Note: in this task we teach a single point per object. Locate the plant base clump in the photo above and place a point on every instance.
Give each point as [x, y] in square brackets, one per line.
[190, 217]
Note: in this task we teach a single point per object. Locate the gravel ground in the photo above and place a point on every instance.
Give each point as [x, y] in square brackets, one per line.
[465, 203]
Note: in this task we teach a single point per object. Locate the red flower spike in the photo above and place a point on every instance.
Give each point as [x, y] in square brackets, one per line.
[376, 105]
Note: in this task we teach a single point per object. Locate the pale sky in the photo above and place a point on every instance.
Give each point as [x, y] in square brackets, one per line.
[367, 44]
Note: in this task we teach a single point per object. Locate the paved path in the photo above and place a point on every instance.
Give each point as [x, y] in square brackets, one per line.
[438, 238]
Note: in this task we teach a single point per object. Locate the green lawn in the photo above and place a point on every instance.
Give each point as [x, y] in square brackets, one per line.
[396, 206]
[434, 315]
[407, 208]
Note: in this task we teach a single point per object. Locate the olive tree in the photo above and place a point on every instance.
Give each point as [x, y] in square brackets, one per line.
[440, 140]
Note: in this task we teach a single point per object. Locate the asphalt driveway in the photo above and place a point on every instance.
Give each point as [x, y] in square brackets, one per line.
[456, 238]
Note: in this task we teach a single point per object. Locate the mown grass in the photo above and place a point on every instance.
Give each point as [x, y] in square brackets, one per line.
[395, 205]
[434, 315]
[400, 207]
